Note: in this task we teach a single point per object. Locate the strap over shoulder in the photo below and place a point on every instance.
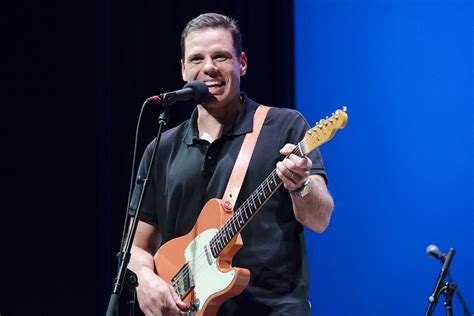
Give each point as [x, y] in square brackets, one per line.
[241, 164]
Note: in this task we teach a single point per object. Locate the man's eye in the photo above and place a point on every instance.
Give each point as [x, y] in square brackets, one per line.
[196, 60]
[221, 58]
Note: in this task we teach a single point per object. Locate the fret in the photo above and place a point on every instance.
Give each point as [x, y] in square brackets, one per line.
[268, 184]
[224, 238]
[229, 235]
[256, 205]
[259, 194]
[301, 152]
[222, 243]
[273, 176]
[232, 227]
[234, 221]
[253, 204]
[252, 207]
[249, 208]
[258, 197]
[239, 221]
[213, 247]
[214, 250]
[246, 215]
[219, 242]
[216, 243]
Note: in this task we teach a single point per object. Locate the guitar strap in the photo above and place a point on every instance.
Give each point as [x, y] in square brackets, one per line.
[241, 164]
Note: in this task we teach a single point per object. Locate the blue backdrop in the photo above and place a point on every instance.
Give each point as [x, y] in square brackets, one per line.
[401, 171]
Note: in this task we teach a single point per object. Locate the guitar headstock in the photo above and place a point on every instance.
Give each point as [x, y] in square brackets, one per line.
[324, 130]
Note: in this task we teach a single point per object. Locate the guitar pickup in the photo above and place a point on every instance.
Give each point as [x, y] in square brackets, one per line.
[208, 254]
[183, 281]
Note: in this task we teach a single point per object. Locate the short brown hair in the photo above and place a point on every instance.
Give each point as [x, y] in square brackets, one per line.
[213, 20]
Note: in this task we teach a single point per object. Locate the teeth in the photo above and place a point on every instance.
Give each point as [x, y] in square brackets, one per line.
[213, 83]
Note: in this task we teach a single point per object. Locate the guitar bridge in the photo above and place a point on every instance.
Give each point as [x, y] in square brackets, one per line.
[183, 281]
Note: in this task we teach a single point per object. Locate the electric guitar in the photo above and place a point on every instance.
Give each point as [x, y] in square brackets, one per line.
[199, 264]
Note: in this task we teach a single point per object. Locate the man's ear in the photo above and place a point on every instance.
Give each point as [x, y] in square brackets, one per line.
[243, 64]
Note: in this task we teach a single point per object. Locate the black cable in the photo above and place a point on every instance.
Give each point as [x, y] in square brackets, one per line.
[132, 180]
[130, 190]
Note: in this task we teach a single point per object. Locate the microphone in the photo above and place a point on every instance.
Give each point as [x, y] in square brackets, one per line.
[433, 251]
[193, 90]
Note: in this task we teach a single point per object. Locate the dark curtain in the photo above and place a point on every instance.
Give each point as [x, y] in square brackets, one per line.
[77, 74]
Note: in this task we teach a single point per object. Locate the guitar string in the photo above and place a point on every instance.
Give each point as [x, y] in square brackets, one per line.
[248, 201]
[215, 240]
[260, 189]
[219, 239]
[253, 198]
[255, 195]
[185, 272]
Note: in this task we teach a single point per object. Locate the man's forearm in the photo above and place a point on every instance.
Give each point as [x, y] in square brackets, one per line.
[140, 259]
[314, 210]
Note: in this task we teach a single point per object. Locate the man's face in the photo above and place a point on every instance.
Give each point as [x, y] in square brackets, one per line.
[210, 57]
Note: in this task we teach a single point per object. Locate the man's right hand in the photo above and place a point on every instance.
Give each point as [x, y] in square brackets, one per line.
[157, 297]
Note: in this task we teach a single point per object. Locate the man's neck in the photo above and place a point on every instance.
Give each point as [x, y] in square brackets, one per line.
[214, 122]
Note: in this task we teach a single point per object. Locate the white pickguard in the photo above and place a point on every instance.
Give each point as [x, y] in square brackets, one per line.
[208, 279]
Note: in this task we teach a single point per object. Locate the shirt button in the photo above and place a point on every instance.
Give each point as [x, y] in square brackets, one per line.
[209, 157]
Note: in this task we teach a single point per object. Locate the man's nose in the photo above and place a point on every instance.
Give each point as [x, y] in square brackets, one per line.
[209, 66]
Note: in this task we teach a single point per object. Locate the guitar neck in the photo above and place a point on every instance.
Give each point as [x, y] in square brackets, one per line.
[314, 137]
[248, 209]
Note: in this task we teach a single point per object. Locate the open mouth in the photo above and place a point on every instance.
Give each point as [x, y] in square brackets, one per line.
[214, 84]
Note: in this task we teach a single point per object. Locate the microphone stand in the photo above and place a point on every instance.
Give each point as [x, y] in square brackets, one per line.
[455, 288]
[123, 272]
[439, 289]
[447, 290]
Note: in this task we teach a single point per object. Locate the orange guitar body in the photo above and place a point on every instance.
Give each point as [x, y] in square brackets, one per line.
[171, 257]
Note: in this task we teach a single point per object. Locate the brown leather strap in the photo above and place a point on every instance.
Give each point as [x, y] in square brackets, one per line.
[241, 164]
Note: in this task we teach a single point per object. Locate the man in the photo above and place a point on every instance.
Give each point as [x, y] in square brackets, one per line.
[193, 165]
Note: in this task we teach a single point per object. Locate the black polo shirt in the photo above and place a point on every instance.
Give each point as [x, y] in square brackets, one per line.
[189, 171]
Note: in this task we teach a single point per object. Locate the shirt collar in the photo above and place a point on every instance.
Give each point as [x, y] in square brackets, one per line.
[243, 124]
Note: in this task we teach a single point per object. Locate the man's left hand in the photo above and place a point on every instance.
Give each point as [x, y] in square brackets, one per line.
[293, 170]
